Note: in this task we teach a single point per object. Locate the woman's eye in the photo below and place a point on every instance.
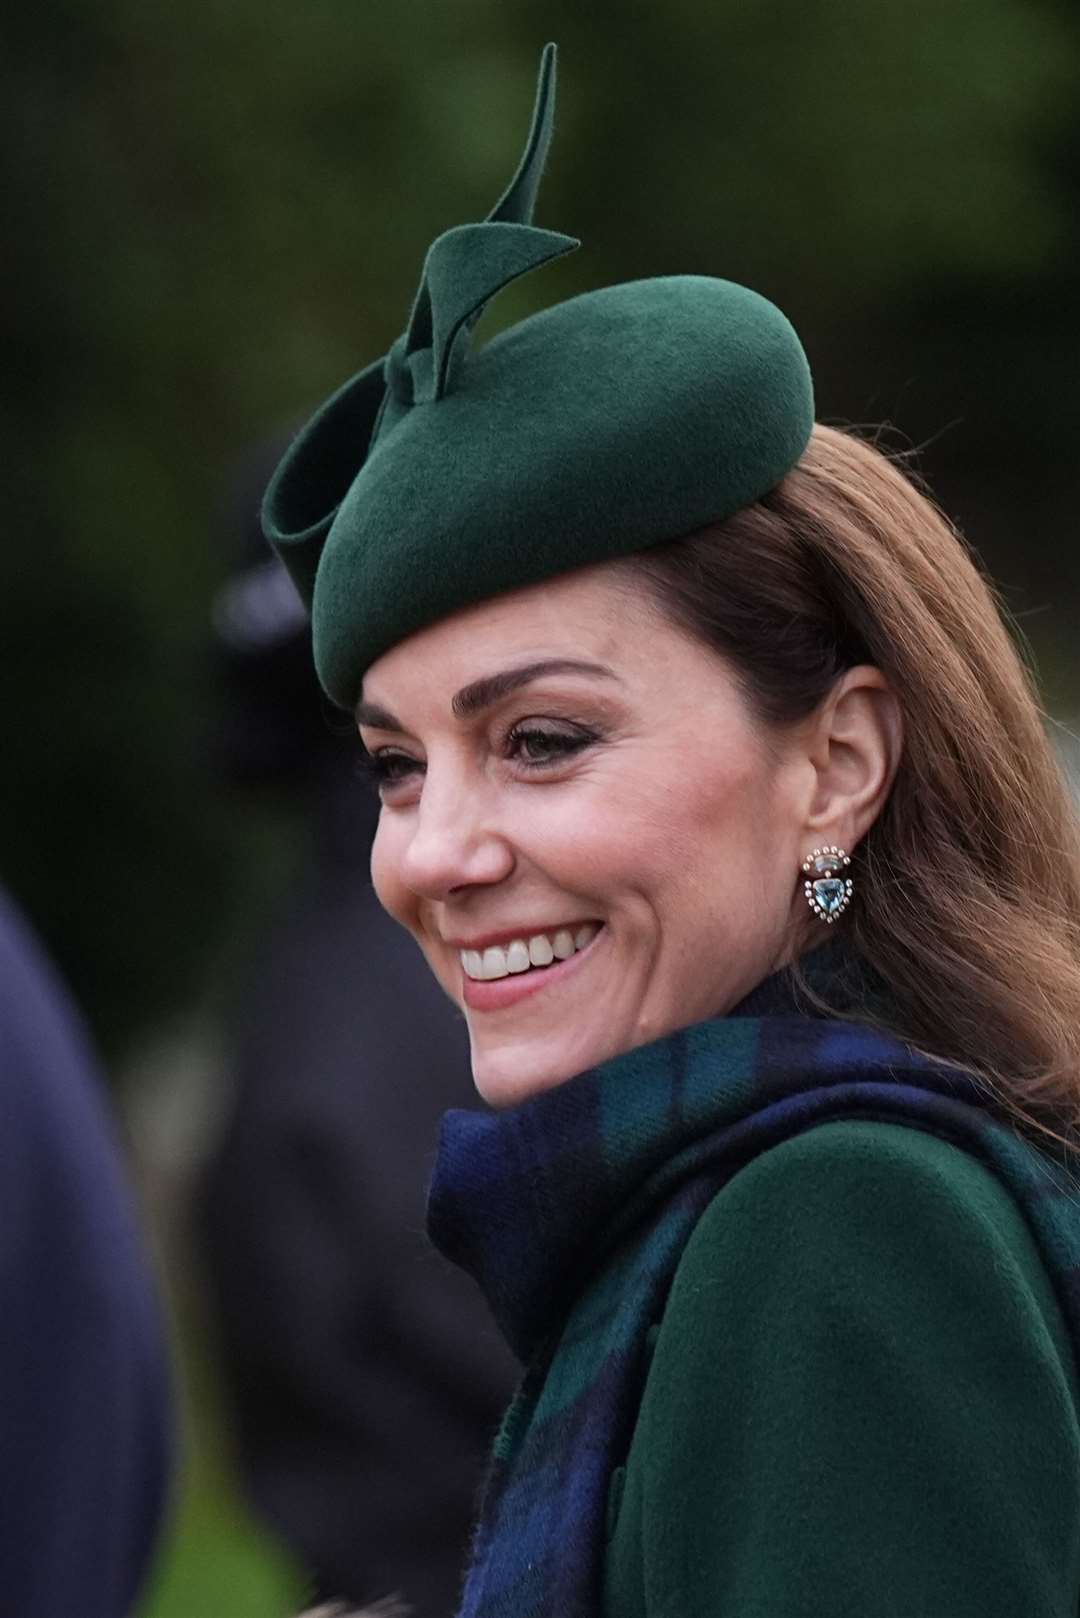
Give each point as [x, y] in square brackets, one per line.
[387, 767]
[535, 745]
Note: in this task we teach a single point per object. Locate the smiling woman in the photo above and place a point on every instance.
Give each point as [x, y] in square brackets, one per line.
[580, 810]
[661, 685]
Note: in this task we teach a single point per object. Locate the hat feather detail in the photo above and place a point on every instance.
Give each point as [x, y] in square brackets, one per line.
[517, 202]
[469, 265]
[464, 269]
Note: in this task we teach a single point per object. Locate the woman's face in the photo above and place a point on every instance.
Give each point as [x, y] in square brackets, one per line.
[586, 832]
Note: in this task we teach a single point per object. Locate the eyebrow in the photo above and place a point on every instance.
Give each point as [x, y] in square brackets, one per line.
[480, 694]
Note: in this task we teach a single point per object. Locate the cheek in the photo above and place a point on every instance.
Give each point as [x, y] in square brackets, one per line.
[702, 805]
[742, 804]
[390, 890]
[722, 844]
[747, 858]
[652, 825]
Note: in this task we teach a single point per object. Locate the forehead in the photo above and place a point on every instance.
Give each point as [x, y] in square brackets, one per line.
[599, 612]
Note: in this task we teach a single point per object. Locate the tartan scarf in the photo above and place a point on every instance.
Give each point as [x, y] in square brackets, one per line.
[572, 1210]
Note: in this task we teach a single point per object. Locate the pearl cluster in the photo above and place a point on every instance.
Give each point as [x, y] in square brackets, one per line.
[829, 894]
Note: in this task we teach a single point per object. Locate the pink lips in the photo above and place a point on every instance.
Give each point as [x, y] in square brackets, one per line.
[503, 992]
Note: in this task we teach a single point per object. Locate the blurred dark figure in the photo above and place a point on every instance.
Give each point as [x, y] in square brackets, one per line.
[85, 1419]
[366, 1378]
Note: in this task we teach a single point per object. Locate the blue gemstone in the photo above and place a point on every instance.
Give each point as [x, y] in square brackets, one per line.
[829, 893]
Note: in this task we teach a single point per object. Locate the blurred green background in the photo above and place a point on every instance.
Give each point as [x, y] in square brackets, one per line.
[218, 211]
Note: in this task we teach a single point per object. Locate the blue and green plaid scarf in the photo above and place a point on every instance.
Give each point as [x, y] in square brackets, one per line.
[572, 1212]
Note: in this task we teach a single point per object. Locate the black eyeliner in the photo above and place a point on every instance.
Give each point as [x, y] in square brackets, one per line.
[565, 743]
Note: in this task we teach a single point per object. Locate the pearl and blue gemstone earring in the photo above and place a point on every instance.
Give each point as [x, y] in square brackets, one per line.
[827, 894]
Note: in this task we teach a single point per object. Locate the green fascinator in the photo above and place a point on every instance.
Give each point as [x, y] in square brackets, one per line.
[443, 474]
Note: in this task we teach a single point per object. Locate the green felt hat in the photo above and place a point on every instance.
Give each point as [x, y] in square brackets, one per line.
[442, 475]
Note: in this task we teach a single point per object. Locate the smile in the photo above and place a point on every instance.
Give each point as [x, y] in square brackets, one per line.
[512, 987]
[526, 954]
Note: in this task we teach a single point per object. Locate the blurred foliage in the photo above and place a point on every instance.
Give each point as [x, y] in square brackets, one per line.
[219, 210]
[215, 1560]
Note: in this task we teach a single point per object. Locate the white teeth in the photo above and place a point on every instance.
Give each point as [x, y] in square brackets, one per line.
[483, 966]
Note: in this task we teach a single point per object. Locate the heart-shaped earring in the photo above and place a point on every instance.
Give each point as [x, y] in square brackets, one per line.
[826, 893]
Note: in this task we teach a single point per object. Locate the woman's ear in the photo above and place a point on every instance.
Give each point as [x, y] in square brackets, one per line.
[855, 749]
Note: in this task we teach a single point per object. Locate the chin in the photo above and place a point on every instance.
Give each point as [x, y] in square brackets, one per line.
[507, 1074]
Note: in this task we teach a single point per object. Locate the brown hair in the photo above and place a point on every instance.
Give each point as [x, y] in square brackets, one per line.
[967, 886]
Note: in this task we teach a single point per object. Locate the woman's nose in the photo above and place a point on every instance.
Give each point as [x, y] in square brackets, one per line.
[454, 842]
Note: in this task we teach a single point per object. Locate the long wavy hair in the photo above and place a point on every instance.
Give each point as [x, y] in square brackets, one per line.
[967, 901]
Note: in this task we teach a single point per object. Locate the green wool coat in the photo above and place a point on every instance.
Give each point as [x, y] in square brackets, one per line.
[861, 1403]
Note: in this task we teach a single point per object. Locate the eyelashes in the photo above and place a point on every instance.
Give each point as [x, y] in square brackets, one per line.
[530, 745]
[536, 745]
[382, 768]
